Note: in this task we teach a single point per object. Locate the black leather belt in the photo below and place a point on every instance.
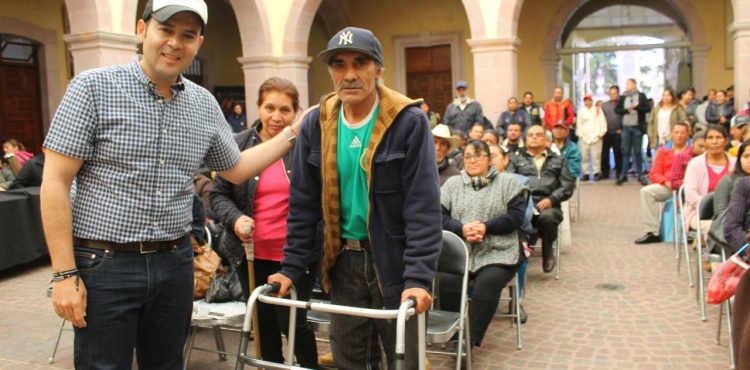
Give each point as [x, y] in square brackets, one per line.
[140, 247]
[355, 245]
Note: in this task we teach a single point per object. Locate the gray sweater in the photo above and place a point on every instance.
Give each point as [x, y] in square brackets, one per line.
[465, 205]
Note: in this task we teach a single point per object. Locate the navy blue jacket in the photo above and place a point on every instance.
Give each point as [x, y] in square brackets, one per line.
[404, 211]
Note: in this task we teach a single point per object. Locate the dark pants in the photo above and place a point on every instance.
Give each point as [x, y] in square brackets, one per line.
[274, 320]
[611, 141]
[632, 142]
[546, 224]
[741, 323]
[487, 284]
[354, 340]
[140, 302]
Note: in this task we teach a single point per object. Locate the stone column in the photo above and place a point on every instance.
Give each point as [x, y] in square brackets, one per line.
[551, 68]
[741, 33]
[495, 73]
[100, 48]
[699, 63]
[258, 68]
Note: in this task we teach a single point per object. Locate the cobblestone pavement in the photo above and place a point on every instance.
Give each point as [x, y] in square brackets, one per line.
[653, 323]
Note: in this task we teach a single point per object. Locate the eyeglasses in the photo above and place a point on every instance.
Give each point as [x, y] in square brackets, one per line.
[471, 157]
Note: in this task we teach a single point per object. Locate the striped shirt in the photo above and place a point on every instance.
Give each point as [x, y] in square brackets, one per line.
[139, 152]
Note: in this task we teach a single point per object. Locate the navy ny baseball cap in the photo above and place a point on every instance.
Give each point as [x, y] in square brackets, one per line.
[353, 39]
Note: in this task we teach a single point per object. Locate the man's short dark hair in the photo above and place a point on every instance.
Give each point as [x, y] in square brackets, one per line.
[515, 123]
[615, 87]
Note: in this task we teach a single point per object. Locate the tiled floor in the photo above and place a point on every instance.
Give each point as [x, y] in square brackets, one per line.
[653, 323]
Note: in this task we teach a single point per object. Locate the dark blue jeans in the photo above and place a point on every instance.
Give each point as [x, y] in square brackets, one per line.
[354, 340]
[140, 302]
[632, 142]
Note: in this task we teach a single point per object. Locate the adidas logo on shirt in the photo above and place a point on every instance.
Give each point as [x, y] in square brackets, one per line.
[355, 143]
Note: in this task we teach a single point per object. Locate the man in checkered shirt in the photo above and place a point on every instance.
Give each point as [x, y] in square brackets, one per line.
[131, 136]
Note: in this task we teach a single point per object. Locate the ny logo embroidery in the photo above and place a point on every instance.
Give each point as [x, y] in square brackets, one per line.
[345, 38]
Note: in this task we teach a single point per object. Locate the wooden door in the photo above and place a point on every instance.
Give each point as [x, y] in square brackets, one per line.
[20, 108]
[428, 75]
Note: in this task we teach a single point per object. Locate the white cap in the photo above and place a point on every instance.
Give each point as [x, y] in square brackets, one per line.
[162, 10]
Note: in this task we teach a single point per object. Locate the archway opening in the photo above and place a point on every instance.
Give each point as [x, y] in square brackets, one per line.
[615, 43]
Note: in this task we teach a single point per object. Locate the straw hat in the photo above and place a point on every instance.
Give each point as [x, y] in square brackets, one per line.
[442, 131]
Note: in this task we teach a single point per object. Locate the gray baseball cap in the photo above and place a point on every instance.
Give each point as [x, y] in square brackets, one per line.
[353, 39]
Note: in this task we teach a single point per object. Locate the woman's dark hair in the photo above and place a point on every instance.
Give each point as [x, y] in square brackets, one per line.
[492, 132]
[476, 124]
[281, 85]
[671, 93]
[478, 145]
[717, 128]
[738, 171]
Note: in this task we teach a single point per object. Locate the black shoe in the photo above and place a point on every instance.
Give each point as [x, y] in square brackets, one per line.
[597, 177]
[524, 316]
[585, 178]
[548, 265]
[643, 180]
[621, 181]
[648, 239]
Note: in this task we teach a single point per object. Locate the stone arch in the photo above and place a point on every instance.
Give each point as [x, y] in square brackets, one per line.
[505, 25]
[50, 76]
[254, 28]
[333, 15]
[297, 32]
[93, 15]
[572, 12]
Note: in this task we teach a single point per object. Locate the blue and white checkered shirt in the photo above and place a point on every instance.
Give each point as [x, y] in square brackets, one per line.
[139, 152]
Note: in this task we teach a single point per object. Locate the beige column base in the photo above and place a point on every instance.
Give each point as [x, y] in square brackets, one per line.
[99, 48]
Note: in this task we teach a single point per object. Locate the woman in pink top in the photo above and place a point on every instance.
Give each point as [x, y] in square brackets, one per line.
[704, 172]
[255, 212]
[16, 155]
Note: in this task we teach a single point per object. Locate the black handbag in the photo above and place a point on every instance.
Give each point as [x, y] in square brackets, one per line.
[225, 287]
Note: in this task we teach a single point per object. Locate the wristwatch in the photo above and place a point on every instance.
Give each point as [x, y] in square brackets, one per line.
[291, 136]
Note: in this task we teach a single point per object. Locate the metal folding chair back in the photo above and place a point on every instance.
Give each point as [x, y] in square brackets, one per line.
[515, 311]
[684, 239]
[705, 212]
[443, 325]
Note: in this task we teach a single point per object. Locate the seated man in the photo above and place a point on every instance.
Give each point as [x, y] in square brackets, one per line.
[661, 189]
[550, 183]
[514, 140]
[680, 161]
[444, 144]
[567, 148]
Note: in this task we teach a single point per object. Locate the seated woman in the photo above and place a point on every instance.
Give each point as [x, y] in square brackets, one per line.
[724, 191]
[486, 209]
[704, 173]
[255, 212]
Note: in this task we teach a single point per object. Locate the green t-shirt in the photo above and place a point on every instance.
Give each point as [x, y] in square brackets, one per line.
[351, 152]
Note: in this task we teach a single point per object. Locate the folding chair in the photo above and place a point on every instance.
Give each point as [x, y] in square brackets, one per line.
[217, 323]
[515, 312]
[443, 325]
[705, 212]
[684, 238]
